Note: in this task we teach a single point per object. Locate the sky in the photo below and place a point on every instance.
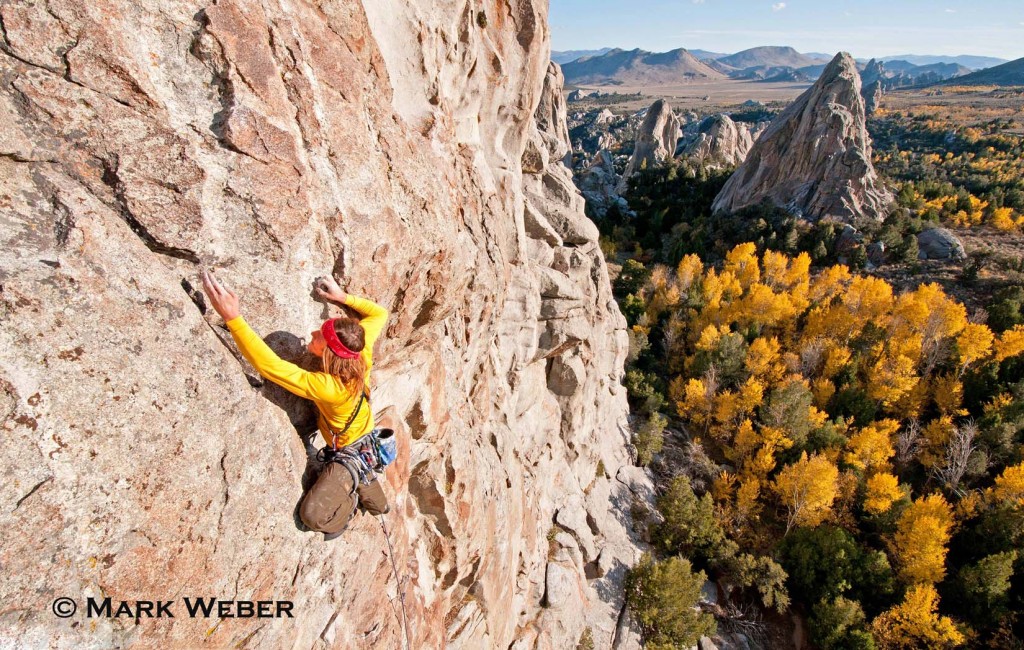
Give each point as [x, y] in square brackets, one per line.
[865, 28]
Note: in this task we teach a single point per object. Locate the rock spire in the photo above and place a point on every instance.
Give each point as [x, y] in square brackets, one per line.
[815, 157]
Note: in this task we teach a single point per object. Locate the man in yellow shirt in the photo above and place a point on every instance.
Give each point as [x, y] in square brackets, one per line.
[340, 392]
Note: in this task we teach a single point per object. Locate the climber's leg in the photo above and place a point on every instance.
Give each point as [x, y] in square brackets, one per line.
[372, 498]
[329, 504]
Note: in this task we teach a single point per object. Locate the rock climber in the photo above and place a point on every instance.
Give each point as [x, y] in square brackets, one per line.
[340, 392]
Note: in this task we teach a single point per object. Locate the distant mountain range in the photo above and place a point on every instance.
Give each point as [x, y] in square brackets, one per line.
[966, 60]
[1010, 73]
[638, 67]
[561, 58]
[767, 63]
[770, 57]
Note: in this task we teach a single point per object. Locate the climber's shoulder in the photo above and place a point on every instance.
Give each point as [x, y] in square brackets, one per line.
[323, 385]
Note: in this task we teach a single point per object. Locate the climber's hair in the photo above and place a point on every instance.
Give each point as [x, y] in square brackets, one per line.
[350, 372]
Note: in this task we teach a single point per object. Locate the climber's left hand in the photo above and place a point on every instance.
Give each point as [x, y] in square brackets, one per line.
[223, 300]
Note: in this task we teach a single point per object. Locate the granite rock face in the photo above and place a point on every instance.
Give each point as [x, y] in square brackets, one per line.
[815, 157]
[415, 149]
[599, 184]
[721, 142]
[655, 140]
[939, 244]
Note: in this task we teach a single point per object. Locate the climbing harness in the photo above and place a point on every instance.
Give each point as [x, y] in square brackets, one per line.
[363, 459]
[398, 582]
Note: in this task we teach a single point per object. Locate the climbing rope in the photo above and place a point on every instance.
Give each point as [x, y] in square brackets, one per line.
[398, 581]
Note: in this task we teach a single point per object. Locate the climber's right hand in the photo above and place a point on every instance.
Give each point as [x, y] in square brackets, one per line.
[223, 300]
[327, 287]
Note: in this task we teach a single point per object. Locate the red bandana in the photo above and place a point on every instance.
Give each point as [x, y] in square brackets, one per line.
[334, 343]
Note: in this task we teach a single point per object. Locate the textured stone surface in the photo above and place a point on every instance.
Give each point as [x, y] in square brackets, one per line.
[655, 140]
[873, 94]
[413, 147]
[721, 142]
[939, 244]
[815, 157]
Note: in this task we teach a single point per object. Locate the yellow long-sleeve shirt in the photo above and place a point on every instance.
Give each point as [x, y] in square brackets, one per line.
[334, 401]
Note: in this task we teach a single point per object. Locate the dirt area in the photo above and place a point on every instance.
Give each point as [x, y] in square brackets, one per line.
[995, 250]
[720, 93]
[966, 106]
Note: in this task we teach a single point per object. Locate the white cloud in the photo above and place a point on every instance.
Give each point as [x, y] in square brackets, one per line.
[698, 2]
[950, 11]
[778, 6]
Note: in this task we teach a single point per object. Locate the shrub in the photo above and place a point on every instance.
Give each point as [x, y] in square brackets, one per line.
[691, 526]
[839, 624]
[650, 438]
[663, 596]
[643, 389]
[824, 563]
[762, 574]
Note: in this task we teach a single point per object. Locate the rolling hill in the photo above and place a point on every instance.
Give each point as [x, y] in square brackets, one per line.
[1007, 74]
[638, 67]
[768, 57]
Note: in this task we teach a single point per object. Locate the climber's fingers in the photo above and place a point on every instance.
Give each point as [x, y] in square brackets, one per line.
[224, 301]
[210, 285]
[327, 287]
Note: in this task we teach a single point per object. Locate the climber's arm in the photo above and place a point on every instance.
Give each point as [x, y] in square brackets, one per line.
[374, 317]
[287, 375]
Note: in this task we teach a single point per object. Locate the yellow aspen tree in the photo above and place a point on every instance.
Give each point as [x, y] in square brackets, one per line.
[762, 359]
[724, 487]
[688, 271]
[836, 358]
[710, 336]
[742, 261]
[915, 623]
[697, 403]
[713, 289]
[744, 443]
[823, 390]
[868, 299]
[751, 394]
[948, 394]
[974, 343]
[727, 409]
[891, 378]
[937, 435]
[881, 491]
[747, 506]
[832, 322]
[1010, 344]
[798, 278]
[829, 283]
[927, 311]
[775, 265]
[762, 306]
[870, 449]
[920, 541]
[807, 489]
[1009, 487]
[772, 440]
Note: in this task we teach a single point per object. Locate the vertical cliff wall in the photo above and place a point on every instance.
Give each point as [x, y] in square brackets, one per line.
[413, 147]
